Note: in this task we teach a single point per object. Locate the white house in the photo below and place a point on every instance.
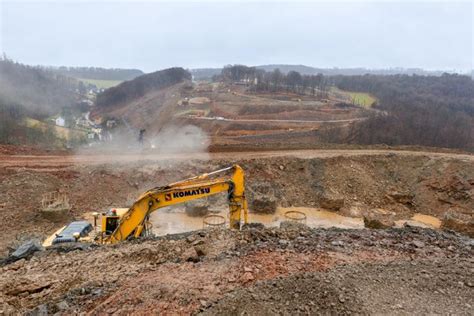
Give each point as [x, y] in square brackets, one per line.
[82, 122]
[111, 123]
[60, 121]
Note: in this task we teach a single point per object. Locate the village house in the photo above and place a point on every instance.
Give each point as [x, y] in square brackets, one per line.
[60, 121]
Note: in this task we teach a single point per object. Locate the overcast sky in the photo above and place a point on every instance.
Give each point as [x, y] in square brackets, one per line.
[153, 35]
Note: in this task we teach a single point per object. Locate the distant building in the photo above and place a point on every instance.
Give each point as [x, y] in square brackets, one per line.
[110, 123]
[88, 102]
[60, 121]
[82, 122]
[97, 131]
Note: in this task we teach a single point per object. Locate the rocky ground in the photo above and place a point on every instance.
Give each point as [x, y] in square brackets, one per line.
[395, 288]
[352, 183]
[256, 271]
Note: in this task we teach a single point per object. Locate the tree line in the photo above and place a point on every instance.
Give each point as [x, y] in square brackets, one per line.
[14, 131]
[415, 110]
[276, 81]
[138, 87]
[41, 92]
[33, 92]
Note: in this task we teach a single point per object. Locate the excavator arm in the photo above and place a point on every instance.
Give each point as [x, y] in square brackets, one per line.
[133, 222]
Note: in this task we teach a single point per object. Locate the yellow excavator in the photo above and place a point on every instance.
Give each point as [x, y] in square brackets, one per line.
[119, 224]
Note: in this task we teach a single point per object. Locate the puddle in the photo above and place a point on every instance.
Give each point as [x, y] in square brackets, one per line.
[173, 221]
[421, 220]
[427, 219]
[315, 218]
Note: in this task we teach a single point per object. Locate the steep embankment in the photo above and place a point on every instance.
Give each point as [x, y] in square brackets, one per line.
[143, 102]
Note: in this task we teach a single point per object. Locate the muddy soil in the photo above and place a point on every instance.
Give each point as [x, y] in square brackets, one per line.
[350, 183]
[259, 271]
[292, 270]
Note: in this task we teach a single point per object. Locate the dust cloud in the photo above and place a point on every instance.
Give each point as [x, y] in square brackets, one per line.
[168, 142]
[189, 139]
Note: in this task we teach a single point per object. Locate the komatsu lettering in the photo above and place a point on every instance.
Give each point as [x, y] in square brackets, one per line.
[199, 191]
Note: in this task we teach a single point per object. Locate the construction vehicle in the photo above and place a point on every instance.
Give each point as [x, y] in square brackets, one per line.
[119, 224]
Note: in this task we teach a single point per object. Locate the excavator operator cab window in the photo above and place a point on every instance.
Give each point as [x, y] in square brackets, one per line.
[111, 223]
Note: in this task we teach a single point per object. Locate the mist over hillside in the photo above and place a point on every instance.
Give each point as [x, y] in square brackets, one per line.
[40, 92]
[33, 94]
[205, 73]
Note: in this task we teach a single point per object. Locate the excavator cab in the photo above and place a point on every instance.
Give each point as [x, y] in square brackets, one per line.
[110, 220]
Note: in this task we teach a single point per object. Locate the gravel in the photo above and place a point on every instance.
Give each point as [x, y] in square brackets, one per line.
[417, 287]
[258, 270]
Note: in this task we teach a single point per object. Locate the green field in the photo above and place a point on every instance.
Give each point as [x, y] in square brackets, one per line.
[101, 84]
[61, 132]
[362, 99]
[198, 112]
[358, 98]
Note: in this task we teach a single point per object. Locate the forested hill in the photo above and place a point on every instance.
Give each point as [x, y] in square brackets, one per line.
[456, 91]
[417, 110]
[138, 87]
[39, 92]
[97, 73]
[307, 70]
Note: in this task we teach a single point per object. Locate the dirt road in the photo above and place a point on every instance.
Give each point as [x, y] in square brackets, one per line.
[60, 161]
[273, 120]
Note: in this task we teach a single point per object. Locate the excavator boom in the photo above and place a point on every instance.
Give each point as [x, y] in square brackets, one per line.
[133, 222]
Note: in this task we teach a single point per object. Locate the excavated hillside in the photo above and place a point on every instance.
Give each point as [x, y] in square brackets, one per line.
[131, 90]
[393, 185]
[228, 114]
[331, 265]
[151, 111]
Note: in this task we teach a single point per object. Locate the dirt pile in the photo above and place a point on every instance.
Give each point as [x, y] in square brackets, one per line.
[197, 208]
[459, 221]
[262, 198]
[378, 219]
[263, 204]
[192, 272]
